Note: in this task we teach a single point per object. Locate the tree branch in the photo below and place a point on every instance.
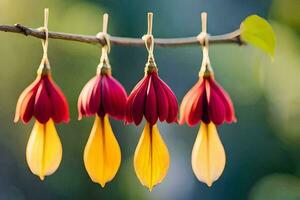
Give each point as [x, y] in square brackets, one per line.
[233, 37]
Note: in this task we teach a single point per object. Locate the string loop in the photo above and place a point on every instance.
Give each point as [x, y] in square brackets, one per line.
[203, 38]
[44, 67]
[104, 66]
[149, 43]
[106, 47]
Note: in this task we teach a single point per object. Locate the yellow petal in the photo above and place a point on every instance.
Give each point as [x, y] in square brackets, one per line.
[102, 154]
[151, 157]
[208, 156]
[44, 149]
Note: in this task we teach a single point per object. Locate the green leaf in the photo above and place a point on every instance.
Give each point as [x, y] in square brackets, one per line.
[258, 32]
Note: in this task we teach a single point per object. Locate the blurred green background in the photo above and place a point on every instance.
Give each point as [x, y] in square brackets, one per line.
[262, 149]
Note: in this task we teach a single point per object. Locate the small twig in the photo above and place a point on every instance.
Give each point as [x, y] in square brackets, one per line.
[23, 29]
[233, 37]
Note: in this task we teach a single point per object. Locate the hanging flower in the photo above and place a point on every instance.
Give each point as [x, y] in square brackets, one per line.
[153, 99]
[102, 96]
[44, 101]
[210, 105]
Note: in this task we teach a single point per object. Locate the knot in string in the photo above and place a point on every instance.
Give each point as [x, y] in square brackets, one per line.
[203, 39]
[44, 67]
[104, 36]
[45, 41]
[149, 43]
[104, 66]
[106, 46]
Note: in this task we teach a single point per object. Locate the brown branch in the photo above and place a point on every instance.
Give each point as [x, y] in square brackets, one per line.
[233, 37]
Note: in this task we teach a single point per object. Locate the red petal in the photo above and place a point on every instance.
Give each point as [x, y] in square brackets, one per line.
[128, 117]
[42, 104]
[150, 106]
[24, 108]
[205, 111]
[188, 101]
[216, 106]
[161, 99]
[94, 96]
[230, 114]
[131, 99]
[114, 97]
[27, 107]
[60, 108]
[88, 103]
[106, 97]
[84, 98]
[138, 104]
[172, 102]
[198, 107]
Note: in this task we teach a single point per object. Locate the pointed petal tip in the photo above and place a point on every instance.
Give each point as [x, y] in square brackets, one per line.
[176, 121]
[16, 117]
[67, 120]
[234, 120]
[102, 184]
[209, 183]
[44, 150]
[158, 162]
[42, 177]
[208, 155]
[102, 165]
[150, 188]
[181, 121]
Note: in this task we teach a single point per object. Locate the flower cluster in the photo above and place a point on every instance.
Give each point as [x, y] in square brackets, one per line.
[103, 96]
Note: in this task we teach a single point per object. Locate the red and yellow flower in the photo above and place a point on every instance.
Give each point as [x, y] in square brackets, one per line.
[44, 101]
[153, 99]
[210, 105]
[102, 96]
